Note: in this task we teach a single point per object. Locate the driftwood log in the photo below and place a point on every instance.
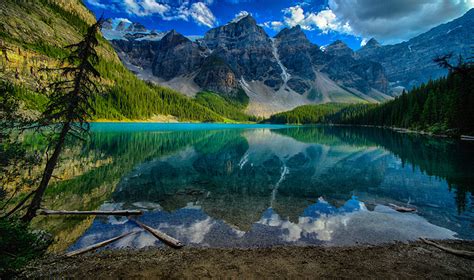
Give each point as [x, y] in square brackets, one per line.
[168, 240]
[97, 213]
[461, 253]
[98, 245]
[467, 137]
[402, 209]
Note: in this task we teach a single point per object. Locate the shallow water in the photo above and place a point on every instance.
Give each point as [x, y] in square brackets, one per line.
[257, 185]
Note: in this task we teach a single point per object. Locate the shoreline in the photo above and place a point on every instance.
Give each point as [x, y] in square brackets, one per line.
[164, 122]
[400, 260]
[396, 129]
[410, 131]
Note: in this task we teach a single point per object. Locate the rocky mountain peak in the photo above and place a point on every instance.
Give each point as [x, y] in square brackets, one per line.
[246, 19]
[242, 33]
[294, 33]
[122, 26]
[136, 27]
[338, 48]
[372, 43]
[173, 38]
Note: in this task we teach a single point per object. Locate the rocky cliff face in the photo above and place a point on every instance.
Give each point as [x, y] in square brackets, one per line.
[140, 53]
[361, 74]
[338, 49]
[247, 50]
[176, 55]
[304, 61]
[296, 53]
[411, 63]
[216, 75]
[136, 27]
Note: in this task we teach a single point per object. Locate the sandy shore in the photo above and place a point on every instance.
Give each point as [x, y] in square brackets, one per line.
[393, 261]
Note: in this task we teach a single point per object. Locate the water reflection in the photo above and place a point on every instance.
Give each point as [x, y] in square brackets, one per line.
[260, 187]
[320, 223]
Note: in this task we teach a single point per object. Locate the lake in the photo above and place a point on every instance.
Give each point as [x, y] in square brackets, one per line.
[212, 185]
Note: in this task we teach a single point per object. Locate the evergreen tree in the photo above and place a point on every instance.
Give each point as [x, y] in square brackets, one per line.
[69, 105]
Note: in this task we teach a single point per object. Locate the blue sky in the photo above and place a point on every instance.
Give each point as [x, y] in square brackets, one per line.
[324, 21]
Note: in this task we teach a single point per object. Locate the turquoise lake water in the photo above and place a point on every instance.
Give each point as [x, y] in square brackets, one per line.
[215, 185]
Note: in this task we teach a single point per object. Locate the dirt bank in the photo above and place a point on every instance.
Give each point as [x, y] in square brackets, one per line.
[414, 260]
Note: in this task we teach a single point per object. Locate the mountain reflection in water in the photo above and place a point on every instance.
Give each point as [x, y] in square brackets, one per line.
[320, 223]
[244, 187]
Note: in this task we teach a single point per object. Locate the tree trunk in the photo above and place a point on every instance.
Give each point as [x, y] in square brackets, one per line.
[47, 174]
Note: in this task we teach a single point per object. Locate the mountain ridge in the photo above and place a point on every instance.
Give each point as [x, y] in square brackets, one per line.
[410, 63]
[268, 70]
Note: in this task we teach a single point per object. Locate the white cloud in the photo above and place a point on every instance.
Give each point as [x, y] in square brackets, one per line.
[198, 11]
[296, 16]
[97, 4]
[275, 25]
[122, 19]
[132, 7]
[153, 7]
[324, 20]
[240, 16]
[202, 14]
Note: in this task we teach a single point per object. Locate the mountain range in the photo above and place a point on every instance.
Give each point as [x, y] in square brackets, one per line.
[410, 63]
[241, 62]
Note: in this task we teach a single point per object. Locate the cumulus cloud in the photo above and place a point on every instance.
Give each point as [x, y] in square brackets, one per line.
[202, 14]
[324, 20]
[198, 11]
[396, 20]
[97, 4]
[275, 25]
[154, 7]
[145, 7]
[122, 19]
[240, 16]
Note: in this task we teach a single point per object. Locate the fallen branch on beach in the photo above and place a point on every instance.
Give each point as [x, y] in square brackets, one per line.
[168, 240]
[98, 245]
[401, 208]
[467, 138]
[461, 253]
[97, 213]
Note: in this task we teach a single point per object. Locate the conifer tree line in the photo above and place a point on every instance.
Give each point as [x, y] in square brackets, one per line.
[442, 106]
[306, 114]
[132, 98]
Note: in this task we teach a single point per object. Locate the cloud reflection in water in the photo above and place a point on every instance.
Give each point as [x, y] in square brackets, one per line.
[320, 223]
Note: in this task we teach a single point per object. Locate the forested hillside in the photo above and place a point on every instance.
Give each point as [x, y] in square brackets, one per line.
[228, 108]
[442, 106]
[307, 114]
[33, 35]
